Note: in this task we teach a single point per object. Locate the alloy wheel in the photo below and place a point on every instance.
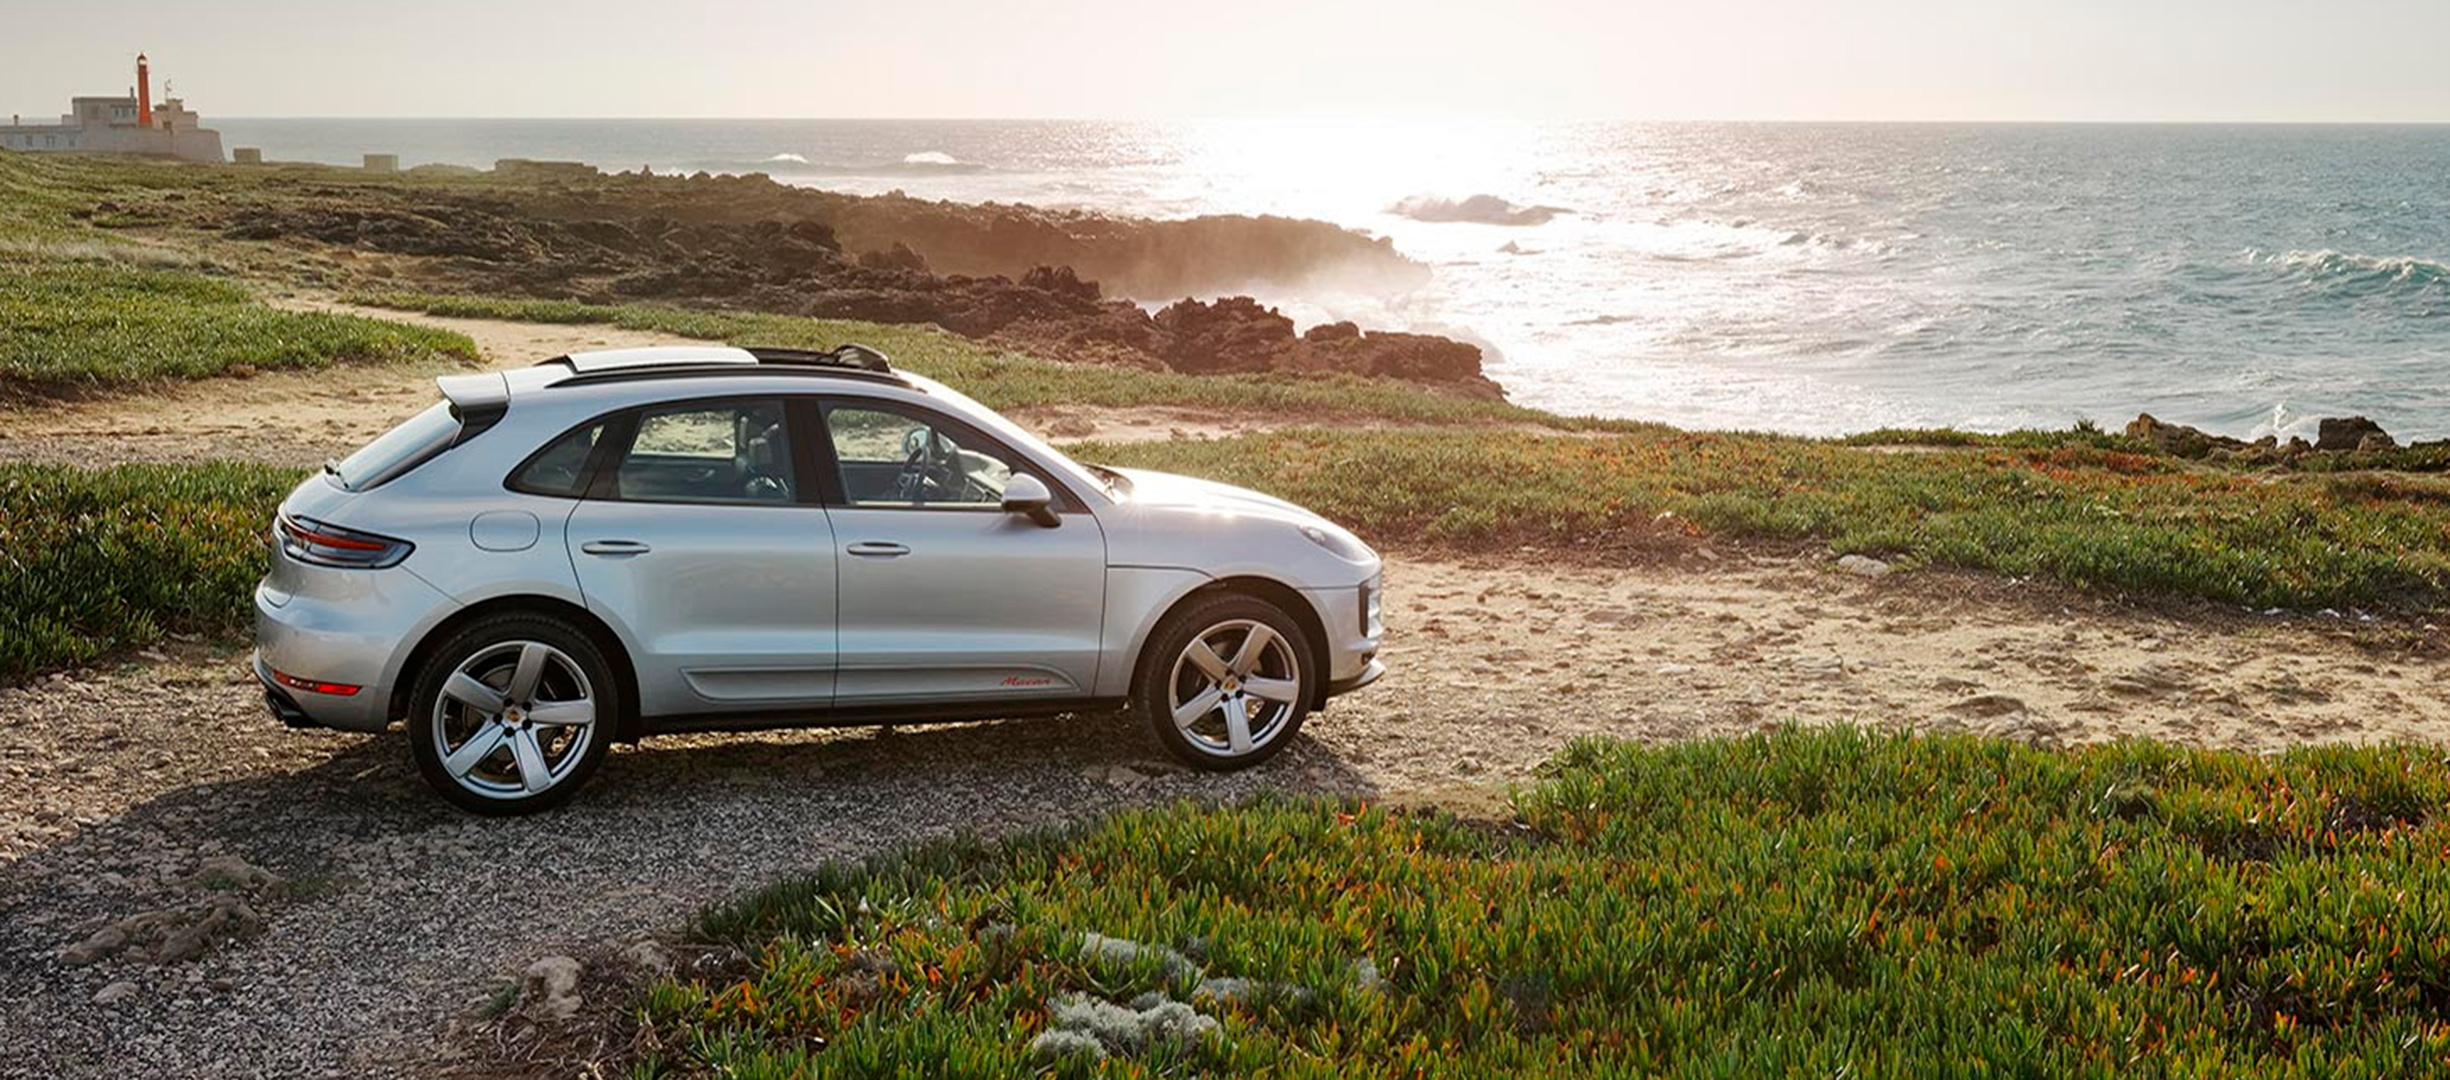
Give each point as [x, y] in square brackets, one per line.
[1234, 688]
[514, 719]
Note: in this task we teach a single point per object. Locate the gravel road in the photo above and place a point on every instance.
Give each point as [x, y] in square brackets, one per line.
[400, 916]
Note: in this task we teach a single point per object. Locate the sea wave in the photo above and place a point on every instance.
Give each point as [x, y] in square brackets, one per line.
[2358, 273]
[1476, 209]
[1709, 240]
[923, 163]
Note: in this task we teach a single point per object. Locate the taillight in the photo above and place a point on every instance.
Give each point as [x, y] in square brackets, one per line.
[323, 544]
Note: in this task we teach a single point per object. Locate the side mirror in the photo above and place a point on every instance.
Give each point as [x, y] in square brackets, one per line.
[1027, 496]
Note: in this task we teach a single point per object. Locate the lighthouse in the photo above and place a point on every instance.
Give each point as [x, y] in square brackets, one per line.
[135, 124]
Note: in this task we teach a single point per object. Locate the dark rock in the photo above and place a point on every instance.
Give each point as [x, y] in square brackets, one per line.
[2341, 434]
[2179, 439]
[1060, 280]
[898, 257]
[1236, 333]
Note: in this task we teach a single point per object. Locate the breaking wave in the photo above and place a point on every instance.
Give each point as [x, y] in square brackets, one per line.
[1477, 209]
[2363, 274]
[923, 163]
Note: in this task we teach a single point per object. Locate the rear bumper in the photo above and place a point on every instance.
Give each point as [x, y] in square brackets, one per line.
[362, 711]
[355, 638]
[279, 702]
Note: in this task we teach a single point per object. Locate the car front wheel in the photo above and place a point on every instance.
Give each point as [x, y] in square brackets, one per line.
[1225, 683]
[513, 714]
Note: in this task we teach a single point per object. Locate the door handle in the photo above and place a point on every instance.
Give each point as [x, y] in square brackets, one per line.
[614, 547]
[879, 549]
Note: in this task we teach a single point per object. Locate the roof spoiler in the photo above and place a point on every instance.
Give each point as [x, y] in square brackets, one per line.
[477, 400]
[476, 393]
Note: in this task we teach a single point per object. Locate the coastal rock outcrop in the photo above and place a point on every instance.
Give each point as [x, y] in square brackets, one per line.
[2336, 435]
[606, 243]
[1238, 334]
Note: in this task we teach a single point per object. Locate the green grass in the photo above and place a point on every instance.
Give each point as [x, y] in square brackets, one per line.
[69, 326]
[103, 559]
[1824, 903]
[1007, 380]
[2148, 526]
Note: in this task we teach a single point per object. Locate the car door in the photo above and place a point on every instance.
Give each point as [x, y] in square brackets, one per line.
[702, 540]
[945, 597]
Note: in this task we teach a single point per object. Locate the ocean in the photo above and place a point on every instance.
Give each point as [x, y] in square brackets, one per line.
[1809, 278]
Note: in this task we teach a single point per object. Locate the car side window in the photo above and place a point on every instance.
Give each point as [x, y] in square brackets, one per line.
[734, 452]
[561, 468]
[889, 457]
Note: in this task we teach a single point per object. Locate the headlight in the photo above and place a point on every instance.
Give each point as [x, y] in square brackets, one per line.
[1343, 544]
[1373, 596]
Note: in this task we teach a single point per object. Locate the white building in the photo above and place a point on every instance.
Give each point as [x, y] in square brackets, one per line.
[120, 125]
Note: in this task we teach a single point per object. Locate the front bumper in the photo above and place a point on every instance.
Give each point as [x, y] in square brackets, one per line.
[1351, 618]
[1370, 673]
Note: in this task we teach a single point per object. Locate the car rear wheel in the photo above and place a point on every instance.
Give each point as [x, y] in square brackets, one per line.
[512, 714]
[1226, 682]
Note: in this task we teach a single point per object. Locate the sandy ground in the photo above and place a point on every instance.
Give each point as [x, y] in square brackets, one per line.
[117, 782]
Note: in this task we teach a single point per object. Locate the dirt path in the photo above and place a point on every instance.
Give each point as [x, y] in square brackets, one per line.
[285, 417]
[401, 918]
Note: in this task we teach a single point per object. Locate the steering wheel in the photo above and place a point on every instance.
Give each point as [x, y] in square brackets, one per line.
[928, 466]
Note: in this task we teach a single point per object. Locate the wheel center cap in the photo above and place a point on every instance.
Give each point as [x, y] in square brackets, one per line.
[1232, 685]
[513, 714]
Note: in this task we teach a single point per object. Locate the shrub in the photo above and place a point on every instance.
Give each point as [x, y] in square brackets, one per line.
[66, 326]
[92, 561]
[1823, 903]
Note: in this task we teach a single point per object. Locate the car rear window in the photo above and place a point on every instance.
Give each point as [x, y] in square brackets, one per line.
[399, 450]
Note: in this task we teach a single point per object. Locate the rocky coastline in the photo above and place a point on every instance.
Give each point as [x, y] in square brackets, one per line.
[1063, 284]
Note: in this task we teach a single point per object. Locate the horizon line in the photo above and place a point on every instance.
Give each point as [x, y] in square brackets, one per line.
[1399, 117]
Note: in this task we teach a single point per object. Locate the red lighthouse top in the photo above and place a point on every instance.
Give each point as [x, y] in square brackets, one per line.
[144, 94]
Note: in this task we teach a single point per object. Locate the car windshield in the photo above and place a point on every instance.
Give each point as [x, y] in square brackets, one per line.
[402, 448]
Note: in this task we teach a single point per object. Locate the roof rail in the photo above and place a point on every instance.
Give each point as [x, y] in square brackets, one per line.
[850, 355]
[848, 359]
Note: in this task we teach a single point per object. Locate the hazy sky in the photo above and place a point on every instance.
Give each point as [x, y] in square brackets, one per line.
[1742, 59]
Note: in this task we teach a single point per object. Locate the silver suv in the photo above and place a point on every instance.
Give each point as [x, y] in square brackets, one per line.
[614, 544]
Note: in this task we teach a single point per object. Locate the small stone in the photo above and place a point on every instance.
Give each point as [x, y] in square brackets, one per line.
[108, 940]
[647, 956]
[548, 990]
[1988, 705]
[1864, 566]
[115, 993]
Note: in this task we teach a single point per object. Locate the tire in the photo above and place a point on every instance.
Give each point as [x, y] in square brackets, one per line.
[491, 752]
[1272, 689]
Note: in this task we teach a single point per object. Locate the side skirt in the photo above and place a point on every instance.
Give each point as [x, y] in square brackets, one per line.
[862, 715]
